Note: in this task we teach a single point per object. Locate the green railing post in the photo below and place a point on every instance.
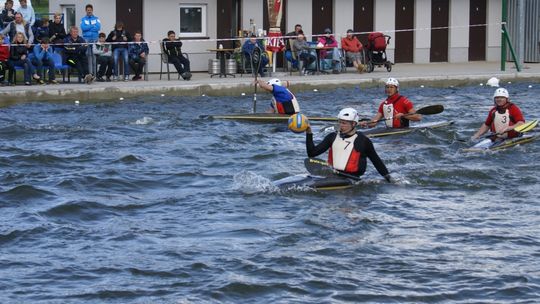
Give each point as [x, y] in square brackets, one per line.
[503, 41]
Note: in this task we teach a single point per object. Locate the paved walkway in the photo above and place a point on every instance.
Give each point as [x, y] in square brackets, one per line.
[433, 74]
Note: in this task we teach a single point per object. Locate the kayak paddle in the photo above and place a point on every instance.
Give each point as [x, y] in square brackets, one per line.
[427, 110]
[319, 167]
[526, 127]
[255, 63]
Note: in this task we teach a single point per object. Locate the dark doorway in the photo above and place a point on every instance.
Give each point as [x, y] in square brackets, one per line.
[363, 18]
[282, 25]
[477, 30]
[404, 39]
[130, 12]
[322, 16]
[228, 22]
[439, 31]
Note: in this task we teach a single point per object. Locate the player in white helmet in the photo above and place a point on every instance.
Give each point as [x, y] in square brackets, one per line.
[283, 101]
[348, 147]
[502, 118]
[395, 109]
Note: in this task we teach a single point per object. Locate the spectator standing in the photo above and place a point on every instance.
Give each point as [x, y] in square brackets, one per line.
[19, 57]
[27, 11]
[352, 47]
[43, 56]
[138, 52]
[56, 30]
[8, 14]
[104, 58]
[173, 48]
[75, 51]
[90, 27]
[119, 37]
[42, 30]
[19, 26]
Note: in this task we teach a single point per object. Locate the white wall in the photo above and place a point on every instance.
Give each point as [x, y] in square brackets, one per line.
[294, 7]
[422, 36]
[385, 21]
[343, 18]
[252, 10]
[459, 36]
[494, 18]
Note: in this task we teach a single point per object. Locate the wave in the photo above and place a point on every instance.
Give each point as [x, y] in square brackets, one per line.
[25, 192]
[250, 183]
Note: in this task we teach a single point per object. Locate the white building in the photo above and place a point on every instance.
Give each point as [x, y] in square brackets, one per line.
[204, 21]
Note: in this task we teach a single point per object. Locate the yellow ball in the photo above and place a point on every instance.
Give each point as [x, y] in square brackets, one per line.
[298, 123]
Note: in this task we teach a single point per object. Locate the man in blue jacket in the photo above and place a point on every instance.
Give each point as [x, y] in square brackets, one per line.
[90, 26]
[43, 56]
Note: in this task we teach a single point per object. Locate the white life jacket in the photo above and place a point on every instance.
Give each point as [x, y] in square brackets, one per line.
[501, 122]
[341, 151]
[388, 111]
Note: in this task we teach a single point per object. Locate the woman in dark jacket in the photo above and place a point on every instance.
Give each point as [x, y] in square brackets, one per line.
[19, 57]
[57, 31]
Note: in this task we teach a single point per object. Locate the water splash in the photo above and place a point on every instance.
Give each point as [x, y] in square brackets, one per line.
[144, 121]
[249, 182]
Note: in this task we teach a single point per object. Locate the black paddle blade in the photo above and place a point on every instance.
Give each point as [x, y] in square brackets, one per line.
[430, 110]
[256, 57]
[318, 167]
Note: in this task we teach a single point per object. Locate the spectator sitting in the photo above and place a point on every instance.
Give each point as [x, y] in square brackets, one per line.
[328, 41]
[19, 26]
[138, 52]
[352, 47]
[289, 53]
[19, 57]
[103, 52]
[173, 48]
[4, 57]
[41, 30]
[27, 12]
[75, 52]
[43, 56]
[57, 30]
[8, 14]
[248, 48]
[119, 37]
[302, 50]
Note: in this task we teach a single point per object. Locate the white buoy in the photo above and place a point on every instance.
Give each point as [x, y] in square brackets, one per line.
[203, 95]
[162, 95]
[481, 84]
[121, 98]
[493, 82]
[315, 90]
[76, 102]
[421, 86]
[509, 82]
[530, 86]
[243, 94]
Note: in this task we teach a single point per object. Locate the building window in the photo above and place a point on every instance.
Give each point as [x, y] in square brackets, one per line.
[69, 16]
[192, 20]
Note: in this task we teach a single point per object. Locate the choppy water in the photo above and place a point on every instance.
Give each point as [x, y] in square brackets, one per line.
[142, 201]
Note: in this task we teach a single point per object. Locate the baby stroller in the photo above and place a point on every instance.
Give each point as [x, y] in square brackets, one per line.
[376, 51]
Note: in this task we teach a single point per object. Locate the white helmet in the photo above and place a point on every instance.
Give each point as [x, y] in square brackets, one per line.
[274, 81]
[348, 114]
[501, 92]
[392, 81]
